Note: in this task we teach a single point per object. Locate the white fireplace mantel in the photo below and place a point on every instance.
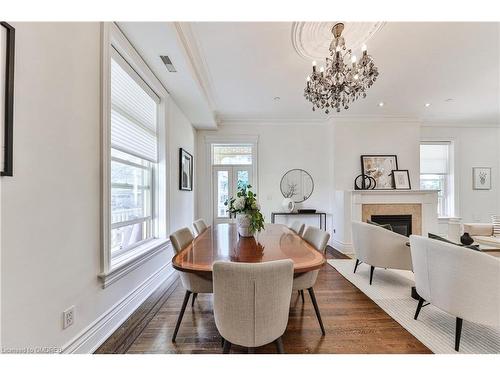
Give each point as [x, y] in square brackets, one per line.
[351, 203]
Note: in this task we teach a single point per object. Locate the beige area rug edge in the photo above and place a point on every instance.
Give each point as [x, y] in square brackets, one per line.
[434, 328]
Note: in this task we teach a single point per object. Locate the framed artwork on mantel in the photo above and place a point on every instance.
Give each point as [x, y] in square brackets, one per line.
[401, 179]
[7, 40]
[380, 167]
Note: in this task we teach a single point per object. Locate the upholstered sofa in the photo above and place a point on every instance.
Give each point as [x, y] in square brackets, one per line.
[482, 233]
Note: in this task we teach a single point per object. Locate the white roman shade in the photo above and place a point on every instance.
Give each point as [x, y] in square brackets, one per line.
[434, 158]
[133, 112]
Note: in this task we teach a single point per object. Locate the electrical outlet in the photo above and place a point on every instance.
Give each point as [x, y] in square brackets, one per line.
[68, 317]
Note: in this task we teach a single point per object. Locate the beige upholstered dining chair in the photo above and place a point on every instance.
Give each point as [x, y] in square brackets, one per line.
[193, 283]
[318, 239]
[251, 302]
[297, 227]
[462, 282]
[200, 226]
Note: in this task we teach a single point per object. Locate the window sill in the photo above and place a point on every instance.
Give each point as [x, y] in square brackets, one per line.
[126, 263]
[449, 220]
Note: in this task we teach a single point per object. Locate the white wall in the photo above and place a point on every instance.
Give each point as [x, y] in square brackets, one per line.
[475, 146]
[281, 147]
[50, 219]
[182, 135]
[353, 139]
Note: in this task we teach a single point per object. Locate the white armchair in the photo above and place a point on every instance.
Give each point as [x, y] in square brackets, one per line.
[460, 281]
[379, 247]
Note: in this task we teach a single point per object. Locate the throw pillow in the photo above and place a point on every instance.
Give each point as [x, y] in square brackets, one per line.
[439, 238]
[495, 219]
[385, 226]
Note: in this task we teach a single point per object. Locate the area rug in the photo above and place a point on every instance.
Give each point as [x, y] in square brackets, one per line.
[434, 328]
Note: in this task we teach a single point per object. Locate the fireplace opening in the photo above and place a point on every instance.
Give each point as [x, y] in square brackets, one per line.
[400, 223]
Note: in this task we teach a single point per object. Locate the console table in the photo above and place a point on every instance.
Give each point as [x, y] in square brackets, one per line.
[321, 216]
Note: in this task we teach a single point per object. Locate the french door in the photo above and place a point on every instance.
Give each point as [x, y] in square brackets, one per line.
[226, 179]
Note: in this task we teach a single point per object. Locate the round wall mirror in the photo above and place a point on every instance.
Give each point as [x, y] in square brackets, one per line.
[297, 185]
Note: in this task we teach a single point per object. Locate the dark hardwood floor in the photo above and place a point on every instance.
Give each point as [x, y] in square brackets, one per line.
[353, 323]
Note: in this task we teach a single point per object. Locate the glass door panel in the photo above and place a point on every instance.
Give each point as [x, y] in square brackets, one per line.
[222, 192]
[226, 180]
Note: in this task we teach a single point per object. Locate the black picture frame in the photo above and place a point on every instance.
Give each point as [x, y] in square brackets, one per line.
[8, 121]
[386, 176]
[185, 176]
[394, 179]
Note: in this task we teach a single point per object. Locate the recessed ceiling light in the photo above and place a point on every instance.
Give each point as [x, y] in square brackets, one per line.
[277, 98]
[427, 104]
[381, 104]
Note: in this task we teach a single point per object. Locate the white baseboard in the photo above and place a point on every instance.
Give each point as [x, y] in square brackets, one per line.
[97, 332]
[343, 247]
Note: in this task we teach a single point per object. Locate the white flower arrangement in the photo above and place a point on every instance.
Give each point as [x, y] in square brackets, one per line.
[245, 202]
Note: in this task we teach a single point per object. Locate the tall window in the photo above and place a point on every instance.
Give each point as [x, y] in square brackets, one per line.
[436, 174]
[134, 158]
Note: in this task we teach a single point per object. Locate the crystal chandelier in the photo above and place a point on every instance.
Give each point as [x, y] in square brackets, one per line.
[343, 80]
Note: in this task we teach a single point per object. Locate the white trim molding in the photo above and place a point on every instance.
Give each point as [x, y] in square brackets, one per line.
[209, 140]
[132, 260]
[114, 42]
[343, 247]
[88, 340]
[198, 66]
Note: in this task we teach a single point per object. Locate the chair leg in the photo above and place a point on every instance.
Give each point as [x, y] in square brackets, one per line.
[181, 314]
[316, 308]
[301, 292]
[194, 297]
[371, 274]
[419, 306]
[279, 345]
[222, 342]
[458, 333]
[227, 347]
[356, 265]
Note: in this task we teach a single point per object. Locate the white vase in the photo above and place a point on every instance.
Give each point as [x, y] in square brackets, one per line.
[243, 225]
[288, 205]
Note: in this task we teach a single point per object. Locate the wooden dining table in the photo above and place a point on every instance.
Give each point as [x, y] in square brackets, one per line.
[221, 242]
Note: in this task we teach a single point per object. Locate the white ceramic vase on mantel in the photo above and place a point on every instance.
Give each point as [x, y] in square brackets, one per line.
[288, 205]
[243, 225]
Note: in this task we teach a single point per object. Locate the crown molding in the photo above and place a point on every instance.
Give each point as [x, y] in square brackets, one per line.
[270, 121]
[442, 124]
[197, 63]
[340, 119]
[331, 119]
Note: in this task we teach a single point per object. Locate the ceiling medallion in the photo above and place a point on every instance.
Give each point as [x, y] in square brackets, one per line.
[342, 80]
[311, 40]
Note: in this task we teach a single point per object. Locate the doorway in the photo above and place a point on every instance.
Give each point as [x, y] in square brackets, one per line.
[226, 179]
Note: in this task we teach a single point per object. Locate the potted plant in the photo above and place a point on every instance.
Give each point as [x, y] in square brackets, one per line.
[249, 219]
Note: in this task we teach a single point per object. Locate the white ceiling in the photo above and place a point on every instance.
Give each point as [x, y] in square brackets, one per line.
[154, 39]
[240, 67]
